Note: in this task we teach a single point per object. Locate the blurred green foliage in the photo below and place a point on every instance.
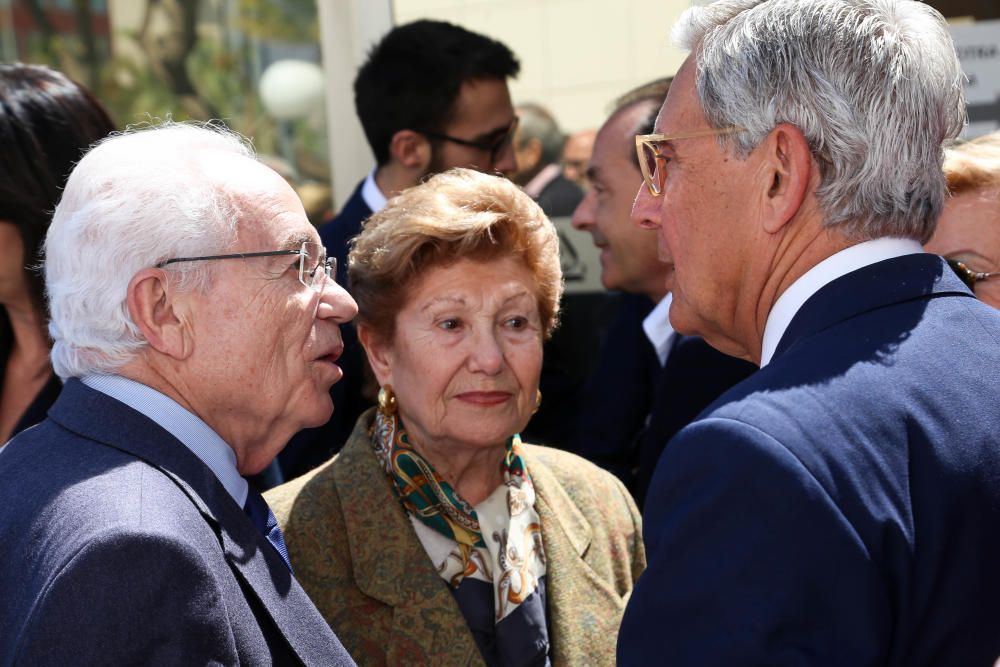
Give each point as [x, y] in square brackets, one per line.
[189, 59]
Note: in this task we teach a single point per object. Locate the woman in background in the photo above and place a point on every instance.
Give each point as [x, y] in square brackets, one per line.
[968, 231]
[436, 536]
[47, 122]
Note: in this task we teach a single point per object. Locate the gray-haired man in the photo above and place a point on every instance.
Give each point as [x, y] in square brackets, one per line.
[196, 325]
[840, 507]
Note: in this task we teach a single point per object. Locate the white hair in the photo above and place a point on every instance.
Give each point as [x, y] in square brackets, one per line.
[874, 85]
[137, 198]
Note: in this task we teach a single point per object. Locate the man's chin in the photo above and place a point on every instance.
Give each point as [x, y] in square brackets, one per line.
[682, 318]
[321, 414]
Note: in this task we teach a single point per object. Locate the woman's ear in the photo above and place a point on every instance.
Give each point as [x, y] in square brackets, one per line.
[789, 170]
[159, 314]
[379, 354]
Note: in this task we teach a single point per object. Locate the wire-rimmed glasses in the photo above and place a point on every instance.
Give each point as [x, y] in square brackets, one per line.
[653, 163]
[312, 258]
[968, 276]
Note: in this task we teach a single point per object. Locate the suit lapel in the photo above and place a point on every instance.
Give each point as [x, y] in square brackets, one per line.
[906, 278]
[391, 565]
[580, 602]
[247, 551]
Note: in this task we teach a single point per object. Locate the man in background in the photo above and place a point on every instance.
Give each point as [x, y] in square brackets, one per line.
[650, 381]
[576, 154]
[840, 506]
[538, 144]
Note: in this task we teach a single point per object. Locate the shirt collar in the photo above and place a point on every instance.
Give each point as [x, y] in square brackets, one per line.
[371, 194]
[658, 329]
[178, 422]
[833, 267]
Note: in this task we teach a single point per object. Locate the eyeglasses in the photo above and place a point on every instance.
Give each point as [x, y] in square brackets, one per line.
[653, 163]
[312, 257]
[494, 147]
[968, 276]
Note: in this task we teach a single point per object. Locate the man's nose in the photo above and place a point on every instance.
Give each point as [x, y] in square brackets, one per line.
[646, 208]
[583, 216]
[335, 303]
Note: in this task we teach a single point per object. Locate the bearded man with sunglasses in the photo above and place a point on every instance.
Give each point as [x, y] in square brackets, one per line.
[840, 506]
[195, 323]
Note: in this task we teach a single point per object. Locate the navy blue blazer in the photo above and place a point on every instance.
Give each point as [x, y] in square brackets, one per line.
[841, 506]
[632, 406]
[119, 546]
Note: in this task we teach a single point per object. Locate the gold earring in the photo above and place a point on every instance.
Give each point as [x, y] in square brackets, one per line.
[538, 400]
[386, 400]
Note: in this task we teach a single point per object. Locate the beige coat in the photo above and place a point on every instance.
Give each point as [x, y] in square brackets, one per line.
[373, 582]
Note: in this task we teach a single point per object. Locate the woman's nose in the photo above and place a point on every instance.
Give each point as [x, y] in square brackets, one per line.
[486, 355]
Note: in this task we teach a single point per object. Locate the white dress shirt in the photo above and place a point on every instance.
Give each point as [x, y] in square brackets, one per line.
[831, 268]
[178, 422]
[658, 329]
[371, 194]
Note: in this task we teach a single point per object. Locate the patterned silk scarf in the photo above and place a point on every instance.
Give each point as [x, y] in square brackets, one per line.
[503, 546]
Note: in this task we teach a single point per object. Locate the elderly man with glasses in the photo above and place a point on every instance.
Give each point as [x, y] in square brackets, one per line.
[195, 324]
[839, 507]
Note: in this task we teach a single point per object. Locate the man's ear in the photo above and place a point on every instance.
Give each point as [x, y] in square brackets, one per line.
[160, 315]
[411, 149]
[379, 354]
[788, 169]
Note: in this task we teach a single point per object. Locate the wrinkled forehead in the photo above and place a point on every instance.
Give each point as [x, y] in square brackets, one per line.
[681, 110]
[271, 211]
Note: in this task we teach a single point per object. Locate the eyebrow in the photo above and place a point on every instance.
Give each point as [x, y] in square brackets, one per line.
[442, 299]
[295, 240]
[494, 133]
[970, 253]
[459, 301]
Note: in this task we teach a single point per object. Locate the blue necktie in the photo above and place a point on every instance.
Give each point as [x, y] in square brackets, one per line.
[262, 517]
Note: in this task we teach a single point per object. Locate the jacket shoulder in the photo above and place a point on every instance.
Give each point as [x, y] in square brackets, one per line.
[125, 577]
[573, 472]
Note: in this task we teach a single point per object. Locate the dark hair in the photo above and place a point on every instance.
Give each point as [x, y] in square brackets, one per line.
[652, 93]
[413, 76]
[47, 122]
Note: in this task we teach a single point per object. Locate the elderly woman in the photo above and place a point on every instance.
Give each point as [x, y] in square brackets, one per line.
[968, 231]
[436, 536]
[46, 123]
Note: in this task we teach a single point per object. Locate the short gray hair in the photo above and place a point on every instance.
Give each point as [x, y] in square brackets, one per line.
[874, 86]
[537, 122]
[136, 199]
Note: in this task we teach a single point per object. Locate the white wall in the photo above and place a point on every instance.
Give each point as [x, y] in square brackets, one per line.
[576, 56]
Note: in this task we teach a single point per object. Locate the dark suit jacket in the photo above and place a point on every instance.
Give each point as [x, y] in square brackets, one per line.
[312, 446]
[841, 506]
[633, 406]
[119, 546]
[560, 197]
[357, 554]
